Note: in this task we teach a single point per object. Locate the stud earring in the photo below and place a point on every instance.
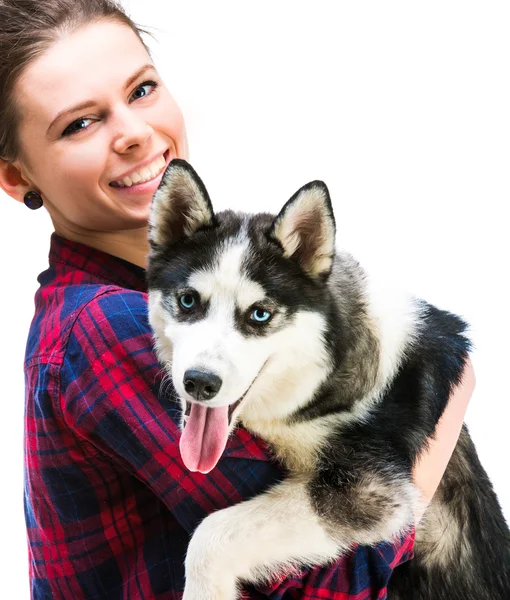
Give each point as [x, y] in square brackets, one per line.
[33, 200]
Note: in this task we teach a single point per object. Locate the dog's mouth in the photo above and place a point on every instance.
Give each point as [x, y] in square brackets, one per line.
[206, 430]
[231, 408]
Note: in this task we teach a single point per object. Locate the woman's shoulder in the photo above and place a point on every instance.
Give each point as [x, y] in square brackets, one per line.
[91, 306]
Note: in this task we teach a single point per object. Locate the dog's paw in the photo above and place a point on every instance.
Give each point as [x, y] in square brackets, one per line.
[209, 573]
[201, 589]
[206, 579]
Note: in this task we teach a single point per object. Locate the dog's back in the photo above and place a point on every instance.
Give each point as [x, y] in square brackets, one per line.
[462, 548]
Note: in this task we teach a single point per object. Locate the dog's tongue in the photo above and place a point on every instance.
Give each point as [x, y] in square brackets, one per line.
[204, 437]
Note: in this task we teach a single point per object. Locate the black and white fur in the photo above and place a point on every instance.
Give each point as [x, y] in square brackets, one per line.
[346, 382]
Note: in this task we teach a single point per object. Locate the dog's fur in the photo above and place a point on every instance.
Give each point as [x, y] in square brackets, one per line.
[346, 381]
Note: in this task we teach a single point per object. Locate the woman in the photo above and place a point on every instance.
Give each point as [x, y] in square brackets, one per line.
[109, 506]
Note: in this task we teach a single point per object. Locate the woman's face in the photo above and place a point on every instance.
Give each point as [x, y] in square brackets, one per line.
[125, 123]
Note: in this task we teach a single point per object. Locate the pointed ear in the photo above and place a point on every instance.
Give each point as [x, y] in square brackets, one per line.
[305, 228]
[180, 206]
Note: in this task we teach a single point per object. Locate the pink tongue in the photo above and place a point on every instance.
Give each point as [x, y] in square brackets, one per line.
[204, 437]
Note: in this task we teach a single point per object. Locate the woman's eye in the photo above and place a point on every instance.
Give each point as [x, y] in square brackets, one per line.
[141, 92]
[76, 126]
[260, 315]
[187, 301]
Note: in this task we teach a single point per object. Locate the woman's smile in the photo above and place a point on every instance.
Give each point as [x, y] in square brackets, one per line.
[143, 179]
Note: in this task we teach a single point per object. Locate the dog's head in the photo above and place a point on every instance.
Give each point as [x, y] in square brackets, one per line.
[238, 306]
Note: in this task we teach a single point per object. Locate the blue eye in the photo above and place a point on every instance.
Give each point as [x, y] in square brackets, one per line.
[260, 315]
[187, 301]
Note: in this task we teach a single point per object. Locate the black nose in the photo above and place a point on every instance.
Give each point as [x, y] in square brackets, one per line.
[202, 385]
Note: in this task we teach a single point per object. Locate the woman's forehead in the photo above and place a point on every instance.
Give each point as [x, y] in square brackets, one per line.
[81, 66]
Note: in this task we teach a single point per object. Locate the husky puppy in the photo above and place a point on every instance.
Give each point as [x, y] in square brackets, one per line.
[258, 320]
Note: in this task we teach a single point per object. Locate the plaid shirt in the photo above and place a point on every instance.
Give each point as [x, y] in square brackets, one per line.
[109, 505]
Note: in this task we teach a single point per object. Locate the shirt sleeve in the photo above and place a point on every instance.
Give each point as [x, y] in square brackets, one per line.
[363, 574]
[113, 395]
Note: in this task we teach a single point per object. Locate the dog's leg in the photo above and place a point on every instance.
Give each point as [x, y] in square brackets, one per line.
[254, 540]
[281, 528]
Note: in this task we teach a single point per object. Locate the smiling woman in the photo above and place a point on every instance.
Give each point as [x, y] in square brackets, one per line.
[87, 129]
[102, 138]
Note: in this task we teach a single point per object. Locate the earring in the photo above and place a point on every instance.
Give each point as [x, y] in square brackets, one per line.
[33, 200]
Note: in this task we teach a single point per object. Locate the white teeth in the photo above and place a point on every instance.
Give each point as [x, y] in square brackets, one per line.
[143, 175]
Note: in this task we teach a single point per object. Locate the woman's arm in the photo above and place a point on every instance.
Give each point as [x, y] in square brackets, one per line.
[432, 463]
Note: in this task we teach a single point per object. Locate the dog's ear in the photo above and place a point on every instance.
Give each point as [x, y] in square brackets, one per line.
[305, 228]
[180, 206]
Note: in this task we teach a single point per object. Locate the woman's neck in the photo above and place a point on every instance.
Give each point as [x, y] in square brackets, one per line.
[131, 245]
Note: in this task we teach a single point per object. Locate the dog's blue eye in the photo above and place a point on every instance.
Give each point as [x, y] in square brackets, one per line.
[187, 301]
[260, 315]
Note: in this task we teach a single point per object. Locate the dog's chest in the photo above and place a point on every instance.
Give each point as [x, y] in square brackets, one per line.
[297, 446]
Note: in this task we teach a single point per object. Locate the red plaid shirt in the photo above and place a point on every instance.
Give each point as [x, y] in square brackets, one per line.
[109, 505]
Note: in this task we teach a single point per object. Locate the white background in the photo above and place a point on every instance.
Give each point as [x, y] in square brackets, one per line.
[402, 108]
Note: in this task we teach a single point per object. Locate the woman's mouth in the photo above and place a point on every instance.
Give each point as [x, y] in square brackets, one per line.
[144, 175]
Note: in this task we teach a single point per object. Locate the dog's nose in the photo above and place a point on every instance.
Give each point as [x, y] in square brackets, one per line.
[202, 385]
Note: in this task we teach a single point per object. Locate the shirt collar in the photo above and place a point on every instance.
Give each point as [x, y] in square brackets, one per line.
[99, 265]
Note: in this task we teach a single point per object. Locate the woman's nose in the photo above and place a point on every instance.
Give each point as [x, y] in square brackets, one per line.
[131, 130]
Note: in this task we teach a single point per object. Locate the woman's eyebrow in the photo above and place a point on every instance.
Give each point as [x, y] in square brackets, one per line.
[90, 103]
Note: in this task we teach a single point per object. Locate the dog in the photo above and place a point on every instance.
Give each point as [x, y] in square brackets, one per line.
[260, 321]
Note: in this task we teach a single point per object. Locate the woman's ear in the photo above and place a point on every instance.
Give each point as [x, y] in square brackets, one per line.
[12, 181]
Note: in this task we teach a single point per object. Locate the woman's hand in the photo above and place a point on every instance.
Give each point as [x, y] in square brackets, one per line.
[432, 463]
